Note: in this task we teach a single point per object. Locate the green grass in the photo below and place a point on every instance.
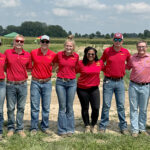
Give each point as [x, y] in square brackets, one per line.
[77, 142]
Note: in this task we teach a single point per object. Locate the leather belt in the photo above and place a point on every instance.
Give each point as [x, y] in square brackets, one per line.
[16, 82]
[1, 80]
[140, 83]
[65, 79]
[114, 79]
[41, 80]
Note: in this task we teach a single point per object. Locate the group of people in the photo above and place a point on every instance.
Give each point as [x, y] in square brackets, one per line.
[16, 62]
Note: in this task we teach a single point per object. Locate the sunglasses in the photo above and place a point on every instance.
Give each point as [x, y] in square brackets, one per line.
[117, 40]
[90, 54]
[17, 41]
[44, 41]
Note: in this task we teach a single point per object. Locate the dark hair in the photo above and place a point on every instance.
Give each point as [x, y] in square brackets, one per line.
[85, 59]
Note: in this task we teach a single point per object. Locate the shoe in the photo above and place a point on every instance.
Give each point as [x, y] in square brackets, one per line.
[33, 132]
[48, 132]
[94, 129]
[102, 131]
[63, 135]
[144, 133]
[22, 134]
[124, 132]
[134, 135]
[87, 129]
[69, 134]
[10, 133]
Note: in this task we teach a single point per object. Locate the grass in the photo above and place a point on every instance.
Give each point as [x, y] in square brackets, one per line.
[77, 142]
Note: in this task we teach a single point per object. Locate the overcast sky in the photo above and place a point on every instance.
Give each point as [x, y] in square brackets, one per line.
[81, 16]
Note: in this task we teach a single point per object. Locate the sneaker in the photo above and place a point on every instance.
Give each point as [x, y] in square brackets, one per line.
[69, 134]
[124, 132]
[48, 132]
[87, 129]
[144, 133]
[102, 131]
[94, 129]
[33, 132]
[63, 135]
[134, 135]
[10, 133]
[22, 134]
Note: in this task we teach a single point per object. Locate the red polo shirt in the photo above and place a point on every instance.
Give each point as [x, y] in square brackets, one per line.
[89, 74]
[115, 62]
[42, 64]
[17, 65]
[2, 65]
[67, 65]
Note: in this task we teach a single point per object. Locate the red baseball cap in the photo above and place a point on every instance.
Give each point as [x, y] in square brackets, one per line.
[118, 36]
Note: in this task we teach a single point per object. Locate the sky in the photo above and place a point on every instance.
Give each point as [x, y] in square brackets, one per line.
[81, 16]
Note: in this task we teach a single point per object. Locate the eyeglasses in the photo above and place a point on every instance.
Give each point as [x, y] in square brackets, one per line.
[17, 41]
[141, 47]
[44, 41]
[117, 40]
[90, 54]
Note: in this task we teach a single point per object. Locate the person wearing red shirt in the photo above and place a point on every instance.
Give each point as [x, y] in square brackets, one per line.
[41, 85]
[115, 58]
[66, 87]
[17, 63]
[87, 87]
[2, 91]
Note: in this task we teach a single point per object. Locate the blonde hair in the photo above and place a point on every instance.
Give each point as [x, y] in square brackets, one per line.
[19, 35]
[70, 38]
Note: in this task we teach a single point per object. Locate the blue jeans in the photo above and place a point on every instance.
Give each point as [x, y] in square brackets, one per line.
[138, 97]
[65, 92]
[2, 98]
[110, 87]
[40, 91]
[16, 94]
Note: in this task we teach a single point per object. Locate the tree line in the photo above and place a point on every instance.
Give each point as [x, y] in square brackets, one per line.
[34, 29]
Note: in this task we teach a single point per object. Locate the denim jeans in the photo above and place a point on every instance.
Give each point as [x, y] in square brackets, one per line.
[138, 97]
[2, 98]
[110, 87]
[40, 91]
[16, 94]
[65, 92]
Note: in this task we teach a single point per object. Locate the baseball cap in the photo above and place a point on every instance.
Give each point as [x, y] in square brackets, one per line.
[45, 37]
[118, 36]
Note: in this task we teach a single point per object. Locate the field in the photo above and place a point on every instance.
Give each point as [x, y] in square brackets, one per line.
[79, 141]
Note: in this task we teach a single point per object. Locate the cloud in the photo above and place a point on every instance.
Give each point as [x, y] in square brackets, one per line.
[26, 14]
[133, 8]
[92, 4]
[9, 3]
[84, 18]
[62, 12]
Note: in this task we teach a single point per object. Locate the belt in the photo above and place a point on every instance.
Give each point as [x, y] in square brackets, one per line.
[140, 83]
[16, 82]
[114, 79]
[41, 80]
[1, 80]
[65, 79]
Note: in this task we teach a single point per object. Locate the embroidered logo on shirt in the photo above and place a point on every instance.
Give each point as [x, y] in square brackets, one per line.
[98, 64]
[121, 54]
[49, 57]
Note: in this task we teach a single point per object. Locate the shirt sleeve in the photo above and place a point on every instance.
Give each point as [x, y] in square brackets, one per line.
[29, 65]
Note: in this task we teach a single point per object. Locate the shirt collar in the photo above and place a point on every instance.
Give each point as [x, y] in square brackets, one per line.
[40, 52]
[146, 55]
[115, 50]
[22, 53]
[69, 55]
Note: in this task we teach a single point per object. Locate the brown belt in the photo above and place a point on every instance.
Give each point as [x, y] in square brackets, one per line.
[65, 79]
[41, 80]
[16, 82]
[1, 80]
